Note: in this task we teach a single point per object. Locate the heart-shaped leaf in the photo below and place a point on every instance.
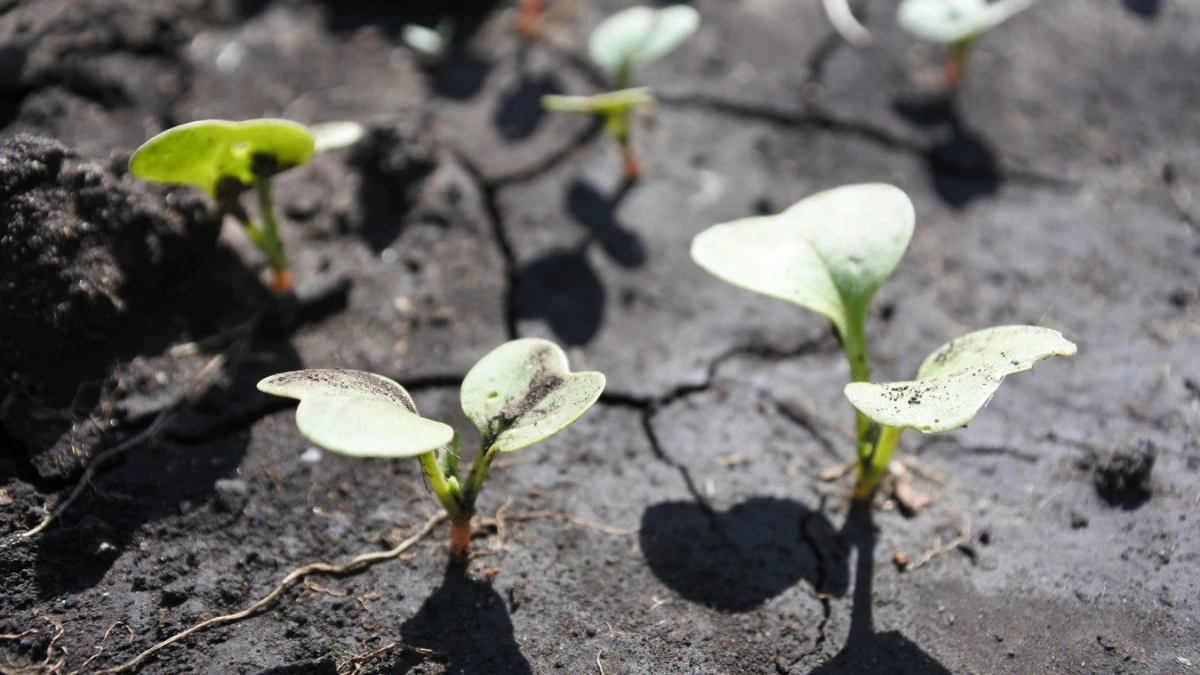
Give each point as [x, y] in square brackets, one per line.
[522, 393]
[202, 153]
[357, 413]
[335, 135]
[634, 37]
[958, 379]
[598, 104]
[951, 21]
[828, 252]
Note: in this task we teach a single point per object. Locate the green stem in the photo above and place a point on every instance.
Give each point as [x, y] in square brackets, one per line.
[441, 488]
[854, 342]
[873, 466]
[474, 482]
[270, 244]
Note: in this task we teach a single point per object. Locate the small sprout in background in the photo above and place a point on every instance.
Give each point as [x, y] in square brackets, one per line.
[529, 18]
[226, 158]
[620, 45]
[955, 23]
[332, 136]
[533, 18]
[951, 387]
[518, 395]
[830, 253]
[431, 45]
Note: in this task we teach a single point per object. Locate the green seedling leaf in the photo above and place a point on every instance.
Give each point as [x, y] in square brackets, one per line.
[335, 135]
[522, 393]
[951, 21]
[203, 153]
[958, 379]
[357, 413]
[828, 253]
[634, 37]
[607, 103]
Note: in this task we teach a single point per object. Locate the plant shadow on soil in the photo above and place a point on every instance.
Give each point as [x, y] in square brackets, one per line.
[561, 286]
[962, 164]
[738, 560]
[466, 622]
[866, 650]
[519, 109]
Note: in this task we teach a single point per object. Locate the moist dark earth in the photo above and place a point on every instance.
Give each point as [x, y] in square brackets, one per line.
[679, 527]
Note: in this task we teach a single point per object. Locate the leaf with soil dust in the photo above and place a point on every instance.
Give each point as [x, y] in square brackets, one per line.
[828, 252]
[951, 21]
[637, 36]
[522, 393]
[958, 379]
[203, 153]
[357, 413]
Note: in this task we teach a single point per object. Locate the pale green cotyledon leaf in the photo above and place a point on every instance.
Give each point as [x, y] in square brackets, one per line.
[335, 135]
[598, 104]
[358, 413]
[950, 21]
[522, 393]
[958, 379]
[829, 252]
[636, 36]
[202, 153]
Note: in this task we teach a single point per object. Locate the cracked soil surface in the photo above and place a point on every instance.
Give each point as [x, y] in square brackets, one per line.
[679, 527]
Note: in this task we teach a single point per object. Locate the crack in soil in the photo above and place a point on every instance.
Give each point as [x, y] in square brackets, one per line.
[813, 120]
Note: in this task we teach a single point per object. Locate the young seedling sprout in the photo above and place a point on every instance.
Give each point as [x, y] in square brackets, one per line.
[955, 23]
[830, 253]
[431, 45]
[518, 395]
[226, 159]
[621, 45]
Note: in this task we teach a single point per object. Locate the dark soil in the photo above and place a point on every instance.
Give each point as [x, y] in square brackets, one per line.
[682, 529]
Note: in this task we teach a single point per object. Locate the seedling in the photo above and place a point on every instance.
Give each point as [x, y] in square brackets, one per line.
[957, 24]
[518, 395]
[431, 45]
[830, 253]
[225, 159]
[620, 45]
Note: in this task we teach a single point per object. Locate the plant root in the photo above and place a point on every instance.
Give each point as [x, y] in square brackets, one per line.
[600, 665]
[964, 535]
[355, 664]
[846, 24]
[164, 417]
[353, 565]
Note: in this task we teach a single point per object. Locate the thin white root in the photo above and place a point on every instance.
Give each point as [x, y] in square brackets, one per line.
[299, 574]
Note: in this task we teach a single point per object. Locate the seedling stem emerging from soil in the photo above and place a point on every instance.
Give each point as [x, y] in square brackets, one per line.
[518, 395]
[620, 45]
[830, 253]
[225, 159]
[956, 24]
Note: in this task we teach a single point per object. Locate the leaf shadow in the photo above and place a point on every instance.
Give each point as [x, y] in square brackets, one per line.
[466, 622]
[519, 108]
[962, 163]
[562, 286]
[737, 560]
[1146, 9]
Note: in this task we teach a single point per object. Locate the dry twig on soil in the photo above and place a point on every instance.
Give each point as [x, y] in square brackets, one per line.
[354, 564]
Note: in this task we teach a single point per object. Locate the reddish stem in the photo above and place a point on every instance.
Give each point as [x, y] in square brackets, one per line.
[460, 541]
[629, 160]
[529, 15]
[282, 282]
